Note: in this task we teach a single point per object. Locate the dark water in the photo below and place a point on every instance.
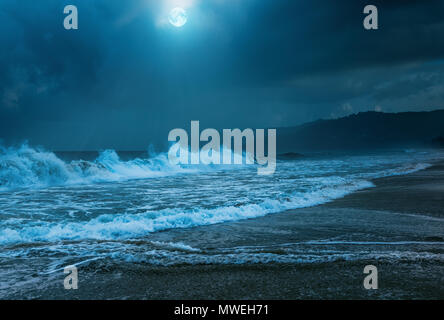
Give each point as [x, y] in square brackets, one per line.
[108, 211]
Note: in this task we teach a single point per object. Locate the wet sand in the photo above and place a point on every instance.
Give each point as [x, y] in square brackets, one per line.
[402, 217]
[421, 193]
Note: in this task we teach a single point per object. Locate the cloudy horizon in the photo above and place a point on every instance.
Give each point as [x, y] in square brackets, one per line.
[126, 77]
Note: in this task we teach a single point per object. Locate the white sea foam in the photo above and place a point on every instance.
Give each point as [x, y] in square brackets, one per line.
[158, 257]
[203, 196]
[125, 226]
[27, 167]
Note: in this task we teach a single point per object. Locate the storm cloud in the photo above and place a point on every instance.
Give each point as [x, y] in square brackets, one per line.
[126, 77]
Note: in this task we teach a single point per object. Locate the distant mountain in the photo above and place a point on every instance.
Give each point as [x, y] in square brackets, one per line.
[365, 130]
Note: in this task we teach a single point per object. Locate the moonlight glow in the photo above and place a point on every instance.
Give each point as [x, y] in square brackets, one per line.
[178, 17]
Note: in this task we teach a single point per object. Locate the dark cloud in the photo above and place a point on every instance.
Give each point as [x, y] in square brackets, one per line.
[124, 79]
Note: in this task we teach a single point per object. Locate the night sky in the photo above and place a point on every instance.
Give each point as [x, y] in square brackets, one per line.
[126, 76]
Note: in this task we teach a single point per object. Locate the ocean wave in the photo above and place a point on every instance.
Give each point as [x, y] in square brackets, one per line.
[405, 169]
[161, 253]
[169, 258]
[126, 226]
[227, 196]
[27, 167]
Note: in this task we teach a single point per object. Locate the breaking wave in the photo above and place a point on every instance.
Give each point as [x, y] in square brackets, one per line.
[163, 203]
[126, 226]
[27, 167]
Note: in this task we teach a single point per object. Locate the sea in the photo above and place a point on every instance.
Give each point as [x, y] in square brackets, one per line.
[73, 208]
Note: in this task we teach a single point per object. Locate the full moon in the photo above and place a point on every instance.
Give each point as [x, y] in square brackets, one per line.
[178, 17]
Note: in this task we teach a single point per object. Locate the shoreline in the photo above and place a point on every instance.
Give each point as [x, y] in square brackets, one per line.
[420, 192]
[396, 225]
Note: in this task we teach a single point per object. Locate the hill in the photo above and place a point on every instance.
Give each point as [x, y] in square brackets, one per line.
[365, 130]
